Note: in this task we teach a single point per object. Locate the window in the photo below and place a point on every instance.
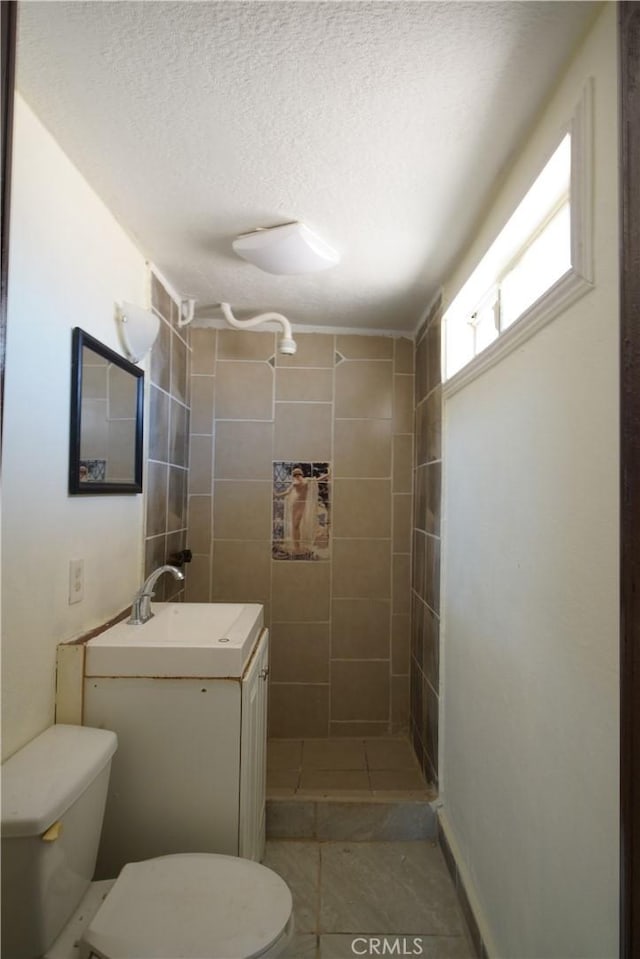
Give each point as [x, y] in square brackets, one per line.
[546, 258]
[538, 264]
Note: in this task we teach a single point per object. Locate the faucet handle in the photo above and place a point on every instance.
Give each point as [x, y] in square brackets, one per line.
[180, 558]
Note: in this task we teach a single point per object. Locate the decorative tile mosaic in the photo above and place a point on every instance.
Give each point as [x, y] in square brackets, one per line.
[93, 471]
[301, 511]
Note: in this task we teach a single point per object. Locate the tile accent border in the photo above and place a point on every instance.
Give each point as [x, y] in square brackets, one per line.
[474, 931]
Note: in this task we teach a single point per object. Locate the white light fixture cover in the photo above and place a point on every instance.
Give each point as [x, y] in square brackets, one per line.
[288, 249]
[139, 329]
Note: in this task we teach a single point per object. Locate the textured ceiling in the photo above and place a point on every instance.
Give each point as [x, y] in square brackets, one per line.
[382, 125]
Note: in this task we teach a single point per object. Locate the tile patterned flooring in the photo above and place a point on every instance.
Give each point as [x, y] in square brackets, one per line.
[367, 897]
[344, 768]
[351, 897]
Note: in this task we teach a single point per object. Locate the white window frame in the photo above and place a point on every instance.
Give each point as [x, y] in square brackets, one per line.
[573, 284]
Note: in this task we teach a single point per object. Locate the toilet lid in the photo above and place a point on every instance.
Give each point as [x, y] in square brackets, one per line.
[191, 906]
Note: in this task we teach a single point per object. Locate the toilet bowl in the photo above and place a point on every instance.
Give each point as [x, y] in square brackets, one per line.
[191, 905]
[194, 906]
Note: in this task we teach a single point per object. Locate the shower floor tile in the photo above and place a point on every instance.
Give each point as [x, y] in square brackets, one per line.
[330, 754]
[313, 781]
[365, 769]
[284, 754]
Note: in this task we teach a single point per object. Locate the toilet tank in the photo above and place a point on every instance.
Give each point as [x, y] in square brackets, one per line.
[53, 797]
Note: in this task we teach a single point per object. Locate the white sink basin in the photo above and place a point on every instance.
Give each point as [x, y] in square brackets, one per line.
[182, 639]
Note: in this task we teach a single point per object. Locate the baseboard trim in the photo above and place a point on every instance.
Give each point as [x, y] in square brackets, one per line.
[477, 941]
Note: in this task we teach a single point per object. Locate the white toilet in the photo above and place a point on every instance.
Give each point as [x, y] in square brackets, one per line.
[192, 906]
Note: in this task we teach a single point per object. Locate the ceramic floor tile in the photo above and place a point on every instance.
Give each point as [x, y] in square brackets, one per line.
[388, 888]
[284, 754]
[390, 754]
[302, 947]
[291, 820]
[374, 822]
[396, 779]
[282, 792]
[428, 947]
[282, 778]
[426, 794]
[333, 754]
[298, 863]
[318, 780]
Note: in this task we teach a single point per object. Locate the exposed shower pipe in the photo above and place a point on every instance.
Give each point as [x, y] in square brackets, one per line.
[287, 342]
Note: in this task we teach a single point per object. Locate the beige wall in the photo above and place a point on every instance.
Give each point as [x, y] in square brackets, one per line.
[340, 628]
[529, 675]
[70, 262]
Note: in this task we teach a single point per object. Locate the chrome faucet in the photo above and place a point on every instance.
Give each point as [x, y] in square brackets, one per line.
[141, 605]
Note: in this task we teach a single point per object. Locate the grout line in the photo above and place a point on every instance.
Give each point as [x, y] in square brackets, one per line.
[319, 895]
[360, 659]
[334, 345]
[304, 402]
[304, 369]
[212, 487]
[242, 359]
[371, 419]
[364, 747]
[366, 359]
[274, 390]
[391, 564]
[378, 539]
[242, 419]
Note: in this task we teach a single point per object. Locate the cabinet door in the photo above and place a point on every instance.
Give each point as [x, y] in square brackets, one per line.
[253, 753]
[176, 773]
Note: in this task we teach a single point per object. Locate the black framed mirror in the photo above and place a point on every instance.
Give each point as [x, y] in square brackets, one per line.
[107, 403]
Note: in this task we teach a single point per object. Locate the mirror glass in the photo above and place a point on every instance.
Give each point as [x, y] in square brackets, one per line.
[106, 420]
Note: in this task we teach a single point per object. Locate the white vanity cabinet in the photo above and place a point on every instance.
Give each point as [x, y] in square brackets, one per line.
[189, 772]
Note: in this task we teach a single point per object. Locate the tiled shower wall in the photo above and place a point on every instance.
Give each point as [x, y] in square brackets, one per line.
[168, 451]
[340, 638]
[425, 592]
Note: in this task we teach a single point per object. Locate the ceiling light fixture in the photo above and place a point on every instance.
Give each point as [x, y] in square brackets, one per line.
[187, 310]
[287, 343]
[287, 249]
[138, 329]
